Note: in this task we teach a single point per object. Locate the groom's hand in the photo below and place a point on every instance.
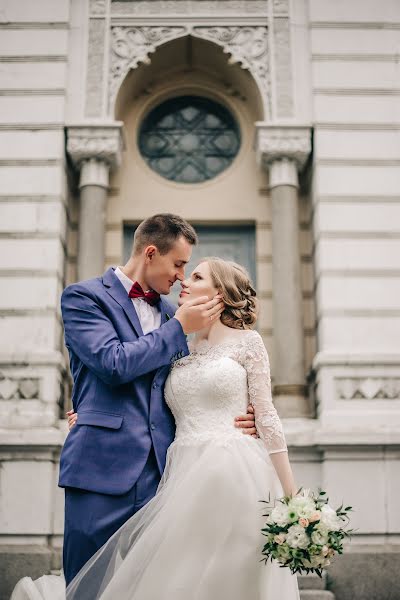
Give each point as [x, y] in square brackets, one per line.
[72, 418]
[247, 422]
[199, 313]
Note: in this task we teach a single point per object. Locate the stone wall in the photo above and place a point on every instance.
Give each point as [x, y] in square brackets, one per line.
[356, 214]
[34, 47]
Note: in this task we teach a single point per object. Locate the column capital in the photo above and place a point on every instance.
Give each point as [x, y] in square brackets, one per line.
[276, 142]
[102, 142]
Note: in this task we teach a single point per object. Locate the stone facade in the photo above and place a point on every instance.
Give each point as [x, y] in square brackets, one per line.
[314, 87]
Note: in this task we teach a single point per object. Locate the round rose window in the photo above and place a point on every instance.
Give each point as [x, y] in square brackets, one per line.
[189, 139]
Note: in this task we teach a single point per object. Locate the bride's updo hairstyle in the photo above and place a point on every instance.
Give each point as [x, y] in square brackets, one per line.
[233, 282]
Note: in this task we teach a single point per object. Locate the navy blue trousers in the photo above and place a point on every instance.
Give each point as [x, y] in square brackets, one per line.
[92, 518]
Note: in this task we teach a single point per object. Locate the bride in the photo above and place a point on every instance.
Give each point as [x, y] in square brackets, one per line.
[200, 537]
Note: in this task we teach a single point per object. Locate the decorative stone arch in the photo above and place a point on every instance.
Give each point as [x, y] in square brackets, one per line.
[246, 45]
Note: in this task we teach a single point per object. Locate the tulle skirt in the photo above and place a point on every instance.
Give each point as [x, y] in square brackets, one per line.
[199, 538]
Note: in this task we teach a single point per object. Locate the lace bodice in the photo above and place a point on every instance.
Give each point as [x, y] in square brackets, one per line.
[208, 388]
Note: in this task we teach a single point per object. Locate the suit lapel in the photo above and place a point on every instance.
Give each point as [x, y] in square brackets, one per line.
[164, 318]
[163, 310]
[117, 291]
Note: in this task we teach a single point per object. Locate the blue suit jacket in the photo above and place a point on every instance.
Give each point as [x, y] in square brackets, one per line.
[118, 391]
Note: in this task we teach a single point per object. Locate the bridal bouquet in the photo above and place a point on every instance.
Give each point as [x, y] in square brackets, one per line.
[303, 532]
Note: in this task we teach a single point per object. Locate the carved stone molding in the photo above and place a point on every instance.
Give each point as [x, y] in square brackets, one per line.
[284, 101]
[101, 142]
[191, 7]
[246, 45]
[16, 388]
[95, 68]
[371, 388]
[98, 6]
[280, 6]
[277, 142]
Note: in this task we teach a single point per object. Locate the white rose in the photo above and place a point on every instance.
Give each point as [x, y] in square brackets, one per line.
[320, 535]
[297, 537]
[303, 506]
[330, 519]
[280, 514]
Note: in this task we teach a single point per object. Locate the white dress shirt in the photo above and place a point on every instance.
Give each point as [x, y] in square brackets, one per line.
[149, 316]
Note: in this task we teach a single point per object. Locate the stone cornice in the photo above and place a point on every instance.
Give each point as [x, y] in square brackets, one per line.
[18, 360]
[102, 142]
[277, 142]
[190, 8]
[357, 360]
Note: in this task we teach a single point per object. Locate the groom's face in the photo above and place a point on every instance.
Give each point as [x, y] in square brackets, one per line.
[164, 269]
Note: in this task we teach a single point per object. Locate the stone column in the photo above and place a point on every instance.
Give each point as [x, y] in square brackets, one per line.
[283, 151]
[95, 150]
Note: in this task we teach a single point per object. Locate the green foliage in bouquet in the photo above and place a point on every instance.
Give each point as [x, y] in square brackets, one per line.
[303, 532]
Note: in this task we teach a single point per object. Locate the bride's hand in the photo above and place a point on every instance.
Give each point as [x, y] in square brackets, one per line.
[247, 422]
[72, 418]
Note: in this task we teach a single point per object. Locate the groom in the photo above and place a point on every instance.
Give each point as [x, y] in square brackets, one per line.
[122, 338]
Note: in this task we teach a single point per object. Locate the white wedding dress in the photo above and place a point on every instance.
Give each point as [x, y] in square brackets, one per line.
[200, 537]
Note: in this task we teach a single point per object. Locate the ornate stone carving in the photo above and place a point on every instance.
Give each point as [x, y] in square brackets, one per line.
[370, 388]
[276, 142]
[247, 46]
[29, 388]
[98, 6]
[13, 388]
[280, 6]
[283, 68]
[98, 142]
[131, 46]
[95, 76]
[191, 7]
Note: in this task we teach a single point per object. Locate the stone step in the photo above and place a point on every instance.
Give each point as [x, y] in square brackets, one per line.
[316, 595]
[312, 581]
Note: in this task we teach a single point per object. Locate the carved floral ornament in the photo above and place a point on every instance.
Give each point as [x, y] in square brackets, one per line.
[98, 6]
[278, 142]
[99, 142]
[246, 45]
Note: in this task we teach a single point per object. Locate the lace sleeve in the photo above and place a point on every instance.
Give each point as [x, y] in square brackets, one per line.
[268, 423]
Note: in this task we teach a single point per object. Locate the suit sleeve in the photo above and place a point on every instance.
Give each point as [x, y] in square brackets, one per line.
[91, 336]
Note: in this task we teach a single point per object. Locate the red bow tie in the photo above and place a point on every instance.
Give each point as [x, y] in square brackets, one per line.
[151, 296]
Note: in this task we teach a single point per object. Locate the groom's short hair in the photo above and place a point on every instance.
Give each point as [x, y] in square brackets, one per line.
[162, 231]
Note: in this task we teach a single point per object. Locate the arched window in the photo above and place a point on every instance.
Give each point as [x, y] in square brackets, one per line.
[189, 139]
